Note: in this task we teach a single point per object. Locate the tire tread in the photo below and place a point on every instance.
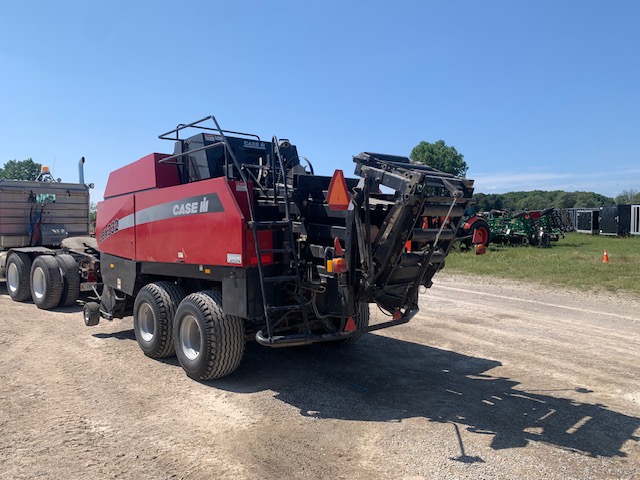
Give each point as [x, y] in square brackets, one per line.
[53, 280]
[224, 336]
[166, 296]
[23, 263]
[71, 280]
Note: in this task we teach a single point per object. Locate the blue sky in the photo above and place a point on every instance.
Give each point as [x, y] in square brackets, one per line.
[536, 95]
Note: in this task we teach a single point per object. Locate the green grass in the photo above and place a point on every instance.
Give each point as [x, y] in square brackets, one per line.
[574, 261]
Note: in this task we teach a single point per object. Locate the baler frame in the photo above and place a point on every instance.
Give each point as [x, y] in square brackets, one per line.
[335, 258]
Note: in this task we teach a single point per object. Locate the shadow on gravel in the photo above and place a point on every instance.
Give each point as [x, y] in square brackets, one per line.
[382, 379]
[121, 335]
[385, 380]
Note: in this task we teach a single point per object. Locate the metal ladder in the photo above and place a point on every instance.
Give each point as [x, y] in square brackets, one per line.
[275, 313]
[272, 313]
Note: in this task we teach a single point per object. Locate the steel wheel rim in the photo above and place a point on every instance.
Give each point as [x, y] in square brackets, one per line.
[146, 322]
[38, 283]
[13, 278]
[190, 339]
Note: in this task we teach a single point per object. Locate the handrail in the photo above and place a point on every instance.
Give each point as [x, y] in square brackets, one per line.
[195, 124]
[189, 152]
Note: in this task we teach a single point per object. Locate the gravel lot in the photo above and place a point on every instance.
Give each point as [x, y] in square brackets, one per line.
[491, 380]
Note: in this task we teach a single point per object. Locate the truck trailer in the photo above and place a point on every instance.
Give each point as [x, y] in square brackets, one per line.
[233, 238]
[46, 252]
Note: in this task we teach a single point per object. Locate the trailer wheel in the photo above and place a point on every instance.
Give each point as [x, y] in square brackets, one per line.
[91, 314]
[71, 279]
[153, 313]
[46, 282]
[361, 319]
[209, 344]
[18, 272]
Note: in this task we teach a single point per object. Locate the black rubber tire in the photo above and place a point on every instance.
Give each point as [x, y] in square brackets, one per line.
[361, 319]
[91, 314]
[46, 282]
[545, 240]
[153, 312]
[71, 279]
[18, 272]
[208, 343]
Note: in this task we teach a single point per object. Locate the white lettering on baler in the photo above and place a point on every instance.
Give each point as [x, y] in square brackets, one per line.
[190, 208]
[253, 144]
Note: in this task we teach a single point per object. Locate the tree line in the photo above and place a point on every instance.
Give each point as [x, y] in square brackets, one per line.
[539, 200]
[447, 159]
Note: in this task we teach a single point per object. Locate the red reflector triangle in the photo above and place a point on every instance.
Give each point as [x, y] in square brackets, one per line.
[477, 237]
[350, 326]
[338, 194]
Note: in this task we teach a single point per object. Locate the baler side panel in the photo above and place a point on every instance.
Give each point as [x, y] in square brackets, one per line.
[144, 174]
[115, 223]
[196, 223]
[265, 237]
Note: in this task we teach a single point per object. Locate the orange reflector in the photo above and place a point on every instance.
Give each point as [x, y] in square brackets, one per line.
[350, 326]
[478, 237]
[329, 266]
[337, 246]
[339, 265]
[338, 194]
[481, 249]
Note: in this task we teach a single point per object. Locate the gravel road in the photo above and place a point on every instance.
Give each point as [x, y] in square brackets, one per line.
[491, 380]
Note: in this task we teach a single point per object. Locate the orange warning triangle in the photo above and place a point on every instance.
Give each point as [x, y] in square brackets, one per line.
[338, 194]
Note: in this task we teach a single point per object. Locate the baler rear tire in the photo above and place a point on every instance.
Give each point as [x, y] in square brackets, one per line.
[71, 280]
[153, 312]
[361, 319]
[46, 282]
[18, 276]
[208, 343]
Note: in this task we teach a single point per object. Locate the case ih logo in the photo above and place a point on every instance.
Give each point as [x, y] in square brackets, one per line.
[254, 144]
[189, 208]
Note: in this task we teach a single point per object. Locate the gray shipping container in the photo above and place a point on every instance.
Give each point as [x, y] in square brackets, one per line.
[24, 206]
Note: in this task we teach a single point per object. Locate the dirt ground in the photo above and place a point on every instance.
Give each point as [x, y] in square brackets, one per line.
[491, 380]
